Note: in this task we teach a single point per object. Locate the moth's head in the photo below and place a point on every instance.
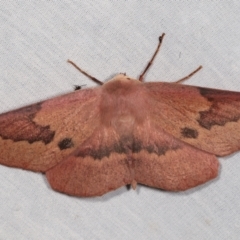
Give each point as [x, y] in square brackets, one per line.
[123, 78]
[121, 81]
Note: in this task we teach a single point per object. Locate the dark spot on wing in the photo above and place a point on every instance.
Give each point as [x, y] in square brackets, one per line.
[225, 107]
[19, 125]
[65, 143]
[189, 133]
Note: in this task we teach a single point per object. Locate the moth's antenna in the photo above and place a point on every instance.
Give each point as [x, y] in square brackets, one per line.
[85, 73]
[189, 75]
[152, 59]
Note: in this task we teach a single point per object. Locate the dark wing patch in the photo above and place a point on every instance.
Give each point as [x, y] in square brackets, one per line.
[19, 125]
[189, 132]
[222, 110]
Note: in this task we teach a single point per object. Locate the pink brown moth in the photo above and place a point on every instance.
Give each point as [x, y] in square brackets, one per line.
[92, 141]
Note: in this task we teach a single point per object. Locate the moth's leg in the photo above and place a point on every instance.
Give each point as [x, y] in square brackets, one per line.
[152, 59]
[189, 75]
[78, 87]
[85, 73]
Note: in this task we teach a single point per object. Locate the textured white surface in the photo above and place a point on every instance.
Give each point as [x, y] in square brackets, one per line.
[105, 38]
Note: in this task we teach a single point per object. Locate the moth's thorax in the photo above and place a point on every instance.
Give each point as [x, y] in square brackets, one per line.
[122, 103]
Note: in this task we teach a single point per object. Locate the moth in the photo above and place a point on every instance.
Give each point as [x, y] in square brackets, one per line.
[126, 131]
